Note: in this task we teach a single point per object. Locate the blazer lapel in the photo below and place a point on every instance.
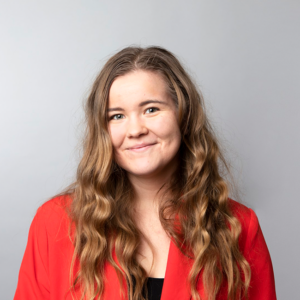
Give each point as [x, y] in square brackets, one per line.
[176, 285]
[112, 284]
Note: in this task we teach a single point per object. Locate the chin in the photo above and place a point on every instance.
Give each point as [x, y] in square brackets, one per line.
[142, 172]
[144, 169]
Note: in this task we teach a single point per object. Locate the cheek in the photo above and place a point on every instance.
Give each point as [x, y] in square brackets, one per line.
[116, 135]
[167, 128]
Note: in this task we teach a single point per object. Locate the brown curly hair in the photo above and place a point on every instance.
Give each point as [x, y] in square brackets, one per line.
[102, 195]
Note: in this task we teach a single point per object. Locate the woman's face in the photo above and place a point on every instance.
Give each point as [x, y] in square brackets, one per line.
[143, 124]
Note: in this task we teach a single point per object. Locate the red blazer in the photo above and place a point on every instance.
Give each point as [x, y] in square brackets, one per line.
[44, 272]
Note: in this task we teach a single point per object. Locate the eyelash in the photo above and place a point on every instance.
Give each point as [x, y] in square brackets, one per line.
[112, 117]
[156, 109]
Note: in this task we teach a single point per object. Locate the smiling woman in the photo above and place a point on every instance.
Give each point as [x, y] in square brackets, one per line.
[145, 138]
[148, 216]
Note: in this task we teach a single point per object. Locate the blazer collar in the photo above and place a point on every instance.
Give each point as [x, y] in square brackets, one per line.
[175, 285]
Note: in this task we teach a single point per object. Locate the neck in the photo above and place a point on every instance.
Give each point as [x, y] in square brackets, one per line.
[149, 190]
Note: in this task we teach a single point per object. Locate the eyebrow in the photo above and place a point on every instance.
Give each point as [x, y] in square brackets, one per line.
[140, 105]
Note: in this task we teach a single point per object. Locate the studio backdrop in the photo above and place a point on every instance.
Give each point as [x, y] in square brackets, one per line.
[244, 56]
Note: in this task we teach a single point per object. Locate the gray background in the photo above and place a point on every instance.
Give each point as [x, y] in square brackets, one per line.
[243, 54]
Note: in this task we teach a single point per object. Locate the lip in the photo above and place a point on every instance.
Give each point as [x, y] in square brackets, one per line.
[141, 147]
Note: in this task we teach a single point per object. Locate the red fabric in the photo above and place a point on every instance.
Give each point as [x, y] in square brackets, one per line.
[44, 272]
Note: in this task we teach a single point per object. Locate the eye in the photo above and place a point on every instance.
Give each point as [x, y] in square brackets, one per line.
[151, 109]
[116, 117]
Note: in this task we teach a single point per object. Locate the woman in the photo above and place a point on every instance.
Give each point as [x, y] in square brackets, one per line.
[149, 209]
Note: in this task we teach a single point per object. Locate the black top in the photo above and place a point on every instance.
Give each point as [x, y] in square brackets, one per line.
[154, 286]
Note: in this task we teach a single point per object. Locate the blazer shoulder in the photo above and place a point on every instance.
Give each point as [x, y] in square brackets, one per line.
[58, 203]
[241, 211]
[54, 214]
[254, 248]
[248, 220]
[48, 253]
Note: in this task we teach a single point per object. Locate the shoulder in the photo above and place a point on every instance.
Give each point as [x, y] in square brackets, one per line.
[57, 205]
[48, 253]
[248, 220]
[254, 248]
[53, 215]
[241, 211]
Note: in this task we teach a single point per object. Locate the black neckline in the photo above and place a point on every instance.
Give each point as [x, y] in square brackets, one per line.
[154, 287]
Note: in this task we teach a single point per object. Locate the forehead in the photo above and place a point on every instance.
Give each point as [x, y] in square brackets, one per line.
[137, 86]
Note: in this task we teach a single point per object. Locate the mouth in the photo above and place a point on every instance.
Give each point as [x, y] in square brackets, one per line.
[141, 148]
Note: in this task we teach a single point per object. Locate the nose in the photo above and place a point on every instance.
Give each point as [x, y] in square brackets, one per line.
[136, 128]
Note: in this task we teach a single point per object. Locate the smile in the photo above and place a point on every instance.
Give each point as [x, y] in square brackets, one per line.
[141, 148]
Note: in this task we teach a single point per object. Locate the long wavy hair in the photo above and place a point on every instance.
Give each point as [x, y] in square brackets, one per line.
[196, 213]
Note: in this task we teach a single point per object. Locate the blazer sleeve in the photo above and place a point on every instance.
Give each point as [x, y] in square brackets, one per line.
[262, 284]
[33, 281]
